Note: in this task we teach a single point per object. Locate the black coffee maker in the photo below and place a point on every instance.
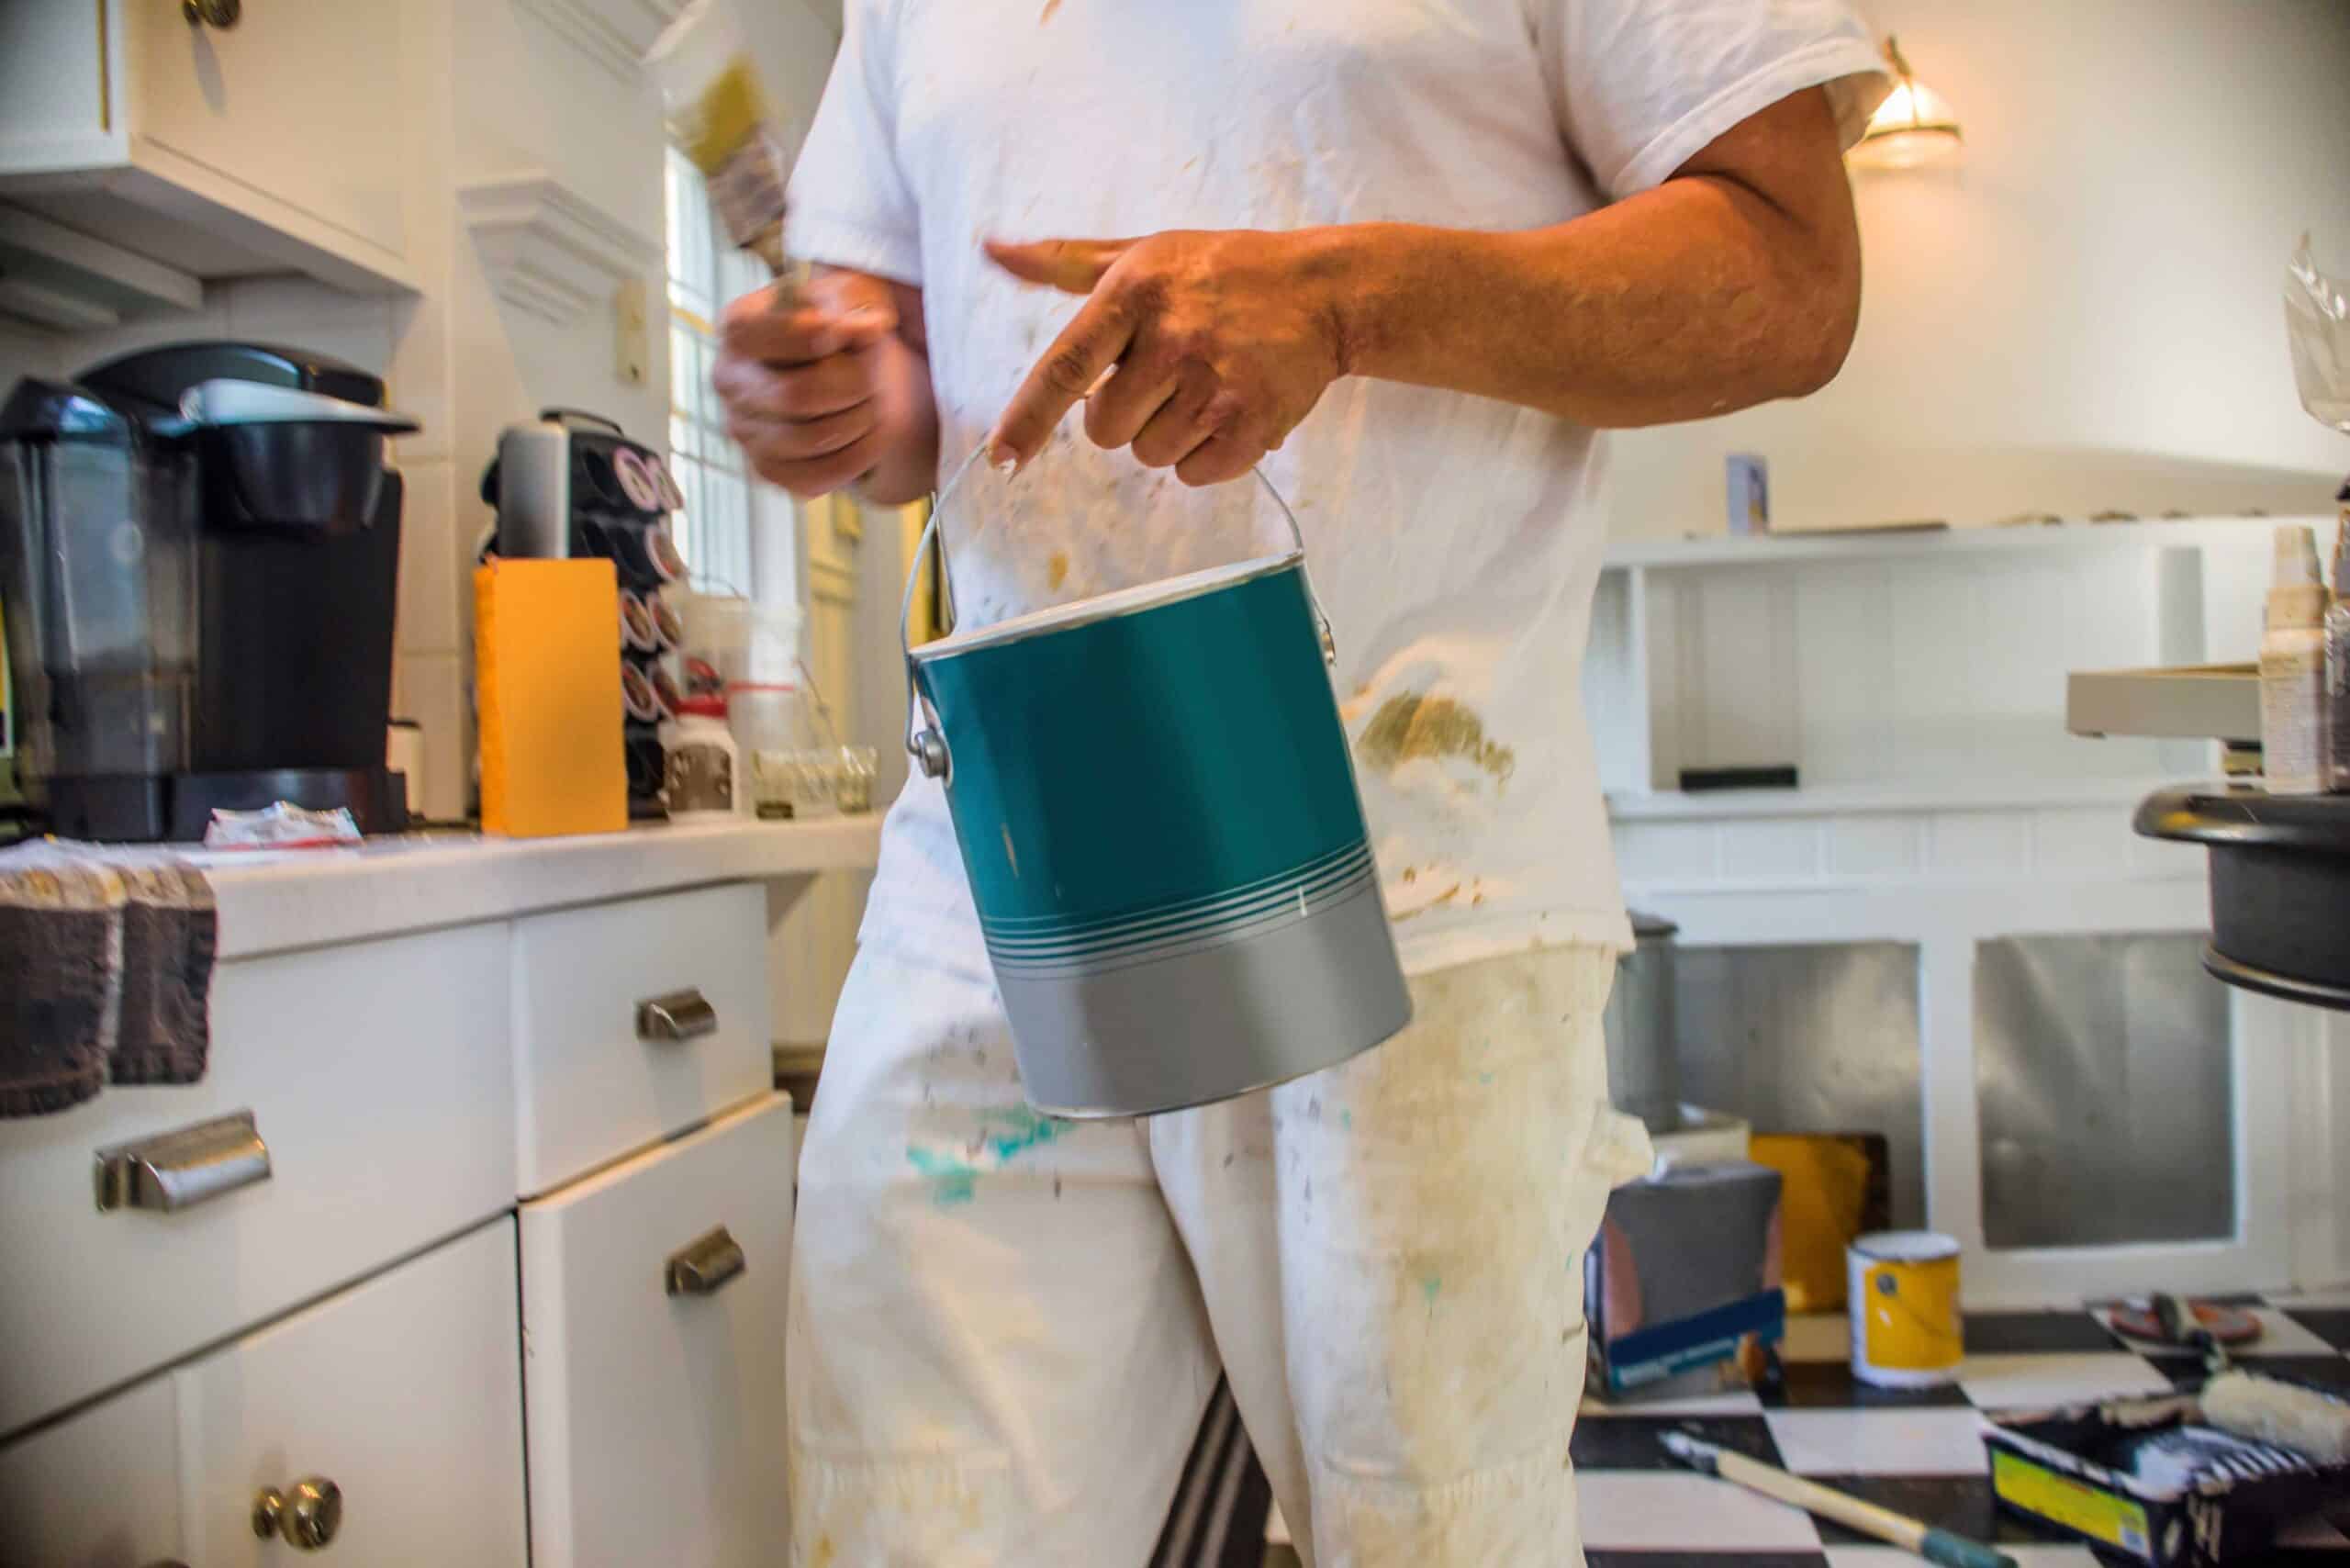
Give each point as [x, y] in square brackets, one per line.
[200, 559]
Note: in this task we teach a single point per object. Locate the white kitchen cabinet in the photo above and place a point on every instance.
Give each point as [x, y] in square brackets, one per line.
[491, 1373]
[97, 1490]
[281, 141]
[376, 1076]
[645, 1386]
[634, 1020]
[404, 1391]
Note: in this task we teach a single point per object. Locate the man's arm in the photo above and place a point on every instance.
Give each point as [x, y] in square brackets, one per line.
[1732, 283]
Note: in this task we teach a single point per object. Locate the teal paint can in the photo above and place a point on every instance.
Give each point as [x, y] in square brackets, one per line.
[1158, 811]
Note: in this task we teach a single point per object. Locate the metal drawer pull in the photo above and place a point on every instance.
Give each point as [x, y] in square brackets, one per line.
[705, 1266]
[680, 1015]
[307, 1514]
[179, 1169]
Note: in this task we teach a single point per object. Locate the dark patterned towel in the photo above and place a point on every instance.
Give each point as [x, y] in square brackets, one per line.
[106, 972]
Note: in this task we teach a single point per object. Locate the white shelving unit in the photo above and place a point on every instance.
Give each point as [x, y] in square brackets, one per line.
[1916, 682]
[1902, 660]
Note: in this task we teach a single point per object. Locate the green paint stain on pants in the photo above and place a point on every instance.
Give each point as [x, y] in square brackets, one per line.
[951, 1180]
[1003, 1135]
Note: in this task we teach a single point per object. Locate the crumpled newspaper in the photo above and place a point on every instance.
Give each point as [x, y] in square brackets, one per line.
[2317, 324]
[281, 826]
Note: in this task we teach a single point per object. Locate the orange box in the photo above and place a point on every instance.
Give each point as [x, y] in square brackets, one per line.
[547, 670]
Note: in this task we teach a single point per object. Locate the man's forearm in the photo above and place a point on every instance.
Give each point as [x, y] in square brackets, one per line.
[1691, 299]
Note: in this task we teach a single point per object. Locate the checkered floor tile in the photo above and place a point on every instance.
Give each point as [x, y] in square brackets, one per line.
[1917, 1452]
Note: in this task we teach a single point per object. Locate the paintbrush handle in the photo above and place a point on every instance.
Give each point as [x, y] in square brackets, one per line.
[1933, 1545]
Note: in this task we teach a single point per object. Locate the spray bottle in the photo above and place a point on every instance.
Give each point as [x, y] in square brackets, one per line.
[2292, 670]
[2337, 658]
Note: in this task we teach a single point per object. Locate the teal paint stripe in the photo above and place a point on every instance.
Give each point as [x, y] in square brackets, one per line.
[1225, 910]
[1157, 924]
[1059, 923]
[1158, 948]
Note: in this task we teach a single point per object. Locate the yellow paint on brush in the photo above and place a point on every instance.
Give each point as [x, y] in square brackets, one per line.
[723, 120]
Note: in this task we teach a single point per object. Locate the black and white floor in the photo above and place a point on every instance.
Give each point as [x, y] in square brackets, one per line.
[1918, 1453]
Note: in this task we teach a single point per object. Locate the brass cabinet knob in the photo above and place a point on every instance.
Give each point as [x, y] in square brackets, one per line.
[222, 14]
[307, 1514]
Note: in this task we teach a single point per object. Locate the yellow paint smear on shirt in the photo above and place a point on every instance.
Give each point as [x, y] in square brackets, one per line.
[1410, 726]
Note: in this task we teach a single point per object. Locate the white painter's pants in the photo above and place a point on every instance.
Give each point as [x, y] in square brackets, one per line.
[1005, 1329]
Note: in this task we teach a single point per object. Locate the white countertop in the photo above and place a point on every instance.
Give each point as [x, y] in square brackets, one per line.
[274, 899]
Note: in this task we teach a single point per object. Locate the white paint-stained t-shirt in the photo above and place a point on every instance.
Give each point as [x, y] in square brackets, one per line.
[1454, 540]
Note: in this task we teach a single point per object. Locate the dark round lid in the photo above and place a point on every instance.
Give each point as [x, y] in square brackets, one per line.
[2317, 824]
[153, 379]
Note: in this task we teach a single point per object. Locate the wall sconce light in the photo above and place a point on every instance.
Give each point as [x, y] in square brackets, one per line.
[1913, 126]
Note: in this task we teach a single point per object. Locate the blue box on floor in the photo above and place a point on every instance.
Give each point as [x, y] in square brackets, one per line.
[1682, 1287]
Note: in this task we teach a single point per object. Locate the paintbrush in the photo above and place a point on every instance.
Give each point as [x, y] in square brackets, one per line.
[740, 85]
[1914, 1535]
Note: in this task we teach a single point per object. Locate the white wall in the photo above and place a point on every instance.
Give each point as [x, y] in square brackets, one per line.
[24, 352]
[2084, 311]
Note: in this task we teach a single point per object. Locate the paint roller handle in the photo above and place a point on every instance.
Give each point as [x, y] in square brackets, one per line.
[923, 742]
[1957, 1551]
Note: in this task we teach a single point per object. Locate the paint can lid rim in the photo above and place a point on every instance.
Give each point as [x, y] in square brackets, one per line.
[1906, 1246]
[1109, 606]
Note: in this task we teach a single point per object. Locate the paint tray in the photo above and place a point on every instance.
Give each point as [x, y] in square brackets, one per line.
[2143, 1480]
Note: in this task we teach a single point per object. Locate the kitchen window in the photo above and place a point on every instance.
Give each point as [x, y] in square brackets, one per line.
[722, 503]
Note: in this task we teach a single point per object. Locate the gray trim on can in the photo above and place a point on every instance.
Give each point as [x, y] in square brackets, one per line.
[1268, 1007]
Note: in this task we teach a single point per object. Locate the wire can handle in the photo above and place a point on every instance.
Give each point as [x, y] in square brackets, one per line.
[924, 742]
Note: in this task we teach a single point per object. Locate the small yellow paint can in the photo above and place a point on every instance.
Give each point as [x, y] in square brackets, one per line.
[1904, 1303]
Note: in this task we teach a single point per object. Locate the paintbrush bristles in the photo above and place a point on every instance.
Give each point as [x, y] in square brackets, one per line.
[1694, 1452]
[724, 120]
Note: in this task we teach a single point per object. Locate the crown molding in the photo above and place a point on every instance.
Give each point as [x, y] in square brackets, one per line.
[550, 251]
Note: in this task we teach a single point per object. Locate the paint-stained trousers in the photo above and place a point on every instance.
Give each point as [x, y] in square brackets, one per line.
[1004, 1328]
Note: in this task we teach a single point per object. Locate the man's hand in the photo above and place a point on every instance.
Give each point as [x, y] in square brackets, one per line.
[1214, 344]
[829, 390]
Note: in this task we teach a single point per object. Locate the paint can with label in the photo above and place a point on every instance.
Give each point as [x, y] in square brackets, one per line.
[1903, 1288]
[1157, 811]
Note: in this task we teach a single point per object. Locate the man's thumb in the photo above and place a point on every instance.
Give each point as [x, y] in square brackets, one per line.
[860, 309]
[1073, 266]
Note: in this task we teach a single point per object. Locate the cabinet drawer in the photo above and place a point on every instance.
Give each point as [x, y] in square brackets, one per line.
[404, 1393]
[302, 103]
[593, 1079]
[378, 1076]
[97, 1491]
[638, 1391]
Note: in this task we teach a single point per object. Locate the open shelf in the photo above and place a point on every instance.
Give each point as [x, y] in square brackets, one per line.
[1885, 664]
